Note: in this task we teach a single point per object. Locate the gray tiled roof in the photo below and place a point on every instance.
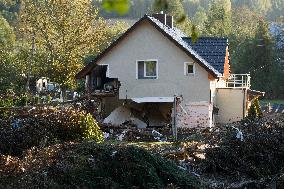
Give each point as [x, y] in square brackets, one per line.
[212, 49]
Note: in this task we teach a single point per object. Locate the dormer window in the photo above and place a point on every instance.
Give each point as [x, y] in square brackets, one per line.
[147, 69]
[189, 68]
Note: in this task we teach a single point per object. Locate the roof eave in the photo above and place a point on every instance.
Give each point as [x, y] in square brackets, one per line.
[87, 69]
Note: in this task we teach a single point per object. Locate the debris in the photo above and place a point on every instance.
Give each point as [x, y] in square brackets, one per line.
[123, 115]
[118, 116]
[259, 156]
[106, 135]
[239, 134]
[16, 124]
[156, 133]
[121, 136]
[113, 153]
[138, 123]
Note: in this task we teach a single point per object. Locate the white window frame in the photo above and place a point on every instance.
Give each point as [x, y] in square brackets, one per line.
[107, 72]
[186, 68]
[144, 74]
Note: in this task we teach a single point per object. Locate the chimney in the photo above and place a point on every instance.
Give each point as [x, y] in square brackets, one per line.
[164, 19]
[170, 21]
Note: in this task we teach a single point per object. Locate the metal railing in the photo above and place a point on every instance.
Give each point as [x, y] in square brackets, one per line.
[238, 81]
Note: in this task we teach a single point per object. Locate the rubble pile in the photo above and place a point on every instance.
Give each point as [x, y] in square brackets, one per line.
[23, 128]
[129, 132]
[89, 165]
[252, 148]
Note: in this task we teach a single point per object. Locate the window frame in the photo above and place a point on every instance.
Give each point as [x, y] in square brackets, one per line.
[186, 68]
[144, 71]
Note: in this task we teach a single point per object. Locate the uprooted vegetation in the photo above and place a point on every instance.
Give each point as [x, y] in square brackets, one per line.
[35, 153]
[254, 148]
[245, 154]
[89, 165]
[22, 129]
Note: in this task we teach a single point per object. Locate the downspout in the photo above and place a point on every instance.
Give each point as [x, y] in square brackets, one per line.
[174, 127]
[244, 103]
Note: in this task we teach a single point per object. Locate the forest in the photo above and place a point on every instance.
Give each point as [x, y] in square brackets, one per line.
[32, 47]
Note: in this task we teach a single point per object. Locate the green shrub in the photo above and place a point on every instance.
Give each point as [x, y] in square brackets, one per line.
[41, 128]
[2, 102]
[90, 128]
[48, 99]
[36, 100]
[23, 100]
[255, 110]
[8, 102]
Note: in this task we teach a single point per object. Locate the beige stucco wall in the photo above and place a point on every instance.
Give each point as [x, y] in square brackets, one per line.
[230, 103]
[145, 42]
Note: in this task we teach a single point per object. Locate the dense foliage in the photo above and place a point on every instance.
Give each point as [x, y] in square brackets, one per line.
[88, 165]
[49, 39]
[21, 129]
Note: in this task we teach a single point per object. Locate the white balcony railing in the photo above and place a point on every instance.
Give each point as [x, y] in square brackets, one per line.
[238, 81]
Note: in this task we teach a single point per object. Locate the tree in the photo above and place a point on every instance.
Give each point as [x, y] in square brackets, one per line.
[263, 57]
[245, 22]
[8, 69]
[7, 36]
[259, 6]
[9, 10]
[276, 10]
[255, 111]
[219, 21]
[67, 31]
[200, 18]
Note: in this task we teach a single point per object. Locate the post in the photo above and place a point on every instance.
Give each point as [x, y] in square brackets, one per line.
[243, 84]
[174, 126]
[87, 86]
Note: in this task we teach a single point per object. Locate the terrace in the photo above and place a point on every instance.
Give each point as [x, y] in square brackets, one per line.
[238, 81]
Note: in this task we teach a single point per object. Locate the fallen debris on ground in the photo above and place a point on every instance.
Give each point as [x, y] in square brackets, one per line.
[89, 165]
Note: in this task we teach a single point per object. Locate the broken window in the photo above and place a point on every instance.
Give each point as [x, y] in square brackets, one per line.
[147, 69]
[189, 68]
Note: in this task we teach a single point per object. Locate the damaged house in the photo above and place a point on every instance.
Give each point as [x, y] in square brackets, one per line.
[157, 74]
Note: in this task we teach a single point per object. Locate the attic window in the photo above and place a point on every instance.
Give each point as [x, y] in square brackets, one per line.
[189, 68]
[147, 69]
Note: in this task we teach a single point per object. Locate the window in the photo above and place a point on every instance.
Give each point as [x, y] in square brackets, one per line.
[189, 68]
[105, 69]
[147, 69]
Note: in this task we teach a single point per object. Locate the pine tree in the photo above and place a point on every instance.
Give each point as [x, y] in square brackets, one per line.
[219, 22]
[255, 110]
[262, 61]
[252, 112]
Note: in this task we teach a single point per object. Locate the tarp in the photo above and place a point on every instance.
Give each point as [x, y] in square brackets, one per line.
[153, 99]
